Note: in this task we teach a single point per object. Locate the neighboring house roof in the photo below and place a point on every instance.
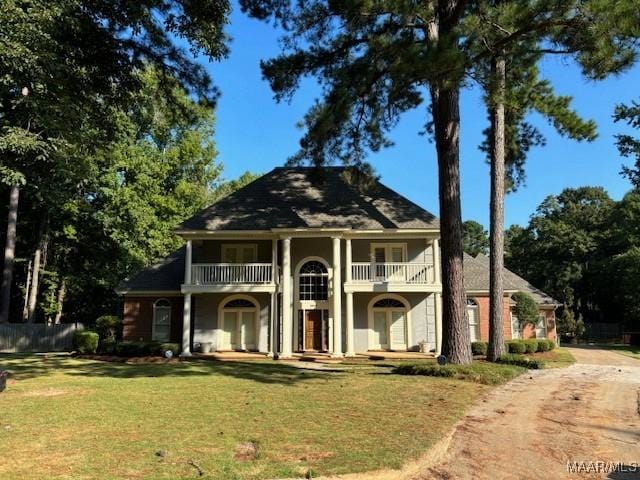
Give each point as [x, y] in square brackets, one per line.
[476, 279]
[307, 197]
[165, 275]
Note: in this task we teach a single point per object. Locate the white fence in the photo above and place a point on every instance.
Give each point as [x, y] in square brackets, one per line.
[231, 273]
[395, 272]
[37, 337]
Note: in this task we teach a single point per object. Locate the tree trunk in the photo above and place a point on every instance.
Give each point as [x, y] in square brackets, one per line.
[25, 308]
[60, 301]
[445, 105]
[496, 232]
[35, 276]
[9, 254]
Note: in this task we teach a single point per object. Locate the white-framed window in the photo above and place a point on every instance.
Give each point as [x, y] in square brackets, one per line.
[161, 328]
[239, 252]
[388, 252]
[313, 281]
[541, 326]
[516, 329]
[474, 320]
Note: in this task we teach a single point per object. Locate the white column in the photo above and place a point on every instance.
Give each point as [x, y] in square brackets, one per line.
[186, 326]
[287, 337]
[351, 351]
[188, 262]
[337, 300]
[274, 279]
[438, 307]
[436, 261]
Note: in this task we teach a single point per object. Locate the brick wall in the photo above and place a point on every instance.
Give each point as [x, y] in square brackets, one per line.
[137, 318]
[483, 314]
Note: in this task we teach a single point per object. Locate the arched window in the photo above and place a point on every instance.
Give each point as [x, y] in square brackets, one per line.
[314, 281]
[161, 329]
[239, 303]
[474, 320]
[389, 303]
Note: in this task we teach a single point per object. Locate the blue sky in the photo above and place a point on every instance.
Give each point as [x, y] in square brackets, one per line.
[255, 133]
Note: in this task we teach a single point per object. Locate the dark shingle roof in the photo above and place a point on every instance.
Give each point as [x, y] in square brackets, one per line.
[304, 197]
[476, 279]
[163, 276]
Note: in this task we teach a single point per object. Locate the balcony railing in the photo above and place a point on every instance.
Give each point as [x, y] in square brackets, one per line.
[409, 273]
[231, 273]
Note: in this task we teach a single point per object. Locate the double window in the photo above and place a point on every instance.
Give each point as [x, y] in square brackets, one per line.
[239, 252]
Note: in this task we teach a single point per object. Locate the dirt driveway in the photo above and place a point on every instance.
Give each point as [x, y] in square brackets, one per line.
[533, 426]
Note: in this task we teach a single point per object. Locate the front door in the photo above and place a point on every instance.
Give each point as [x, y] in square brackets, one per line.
[238, 330]
[389, 330]
[313, 330]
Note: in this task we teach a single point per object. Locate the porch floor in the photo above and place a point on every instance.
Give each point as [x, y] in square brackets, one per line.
[314, 357]
[224, 356]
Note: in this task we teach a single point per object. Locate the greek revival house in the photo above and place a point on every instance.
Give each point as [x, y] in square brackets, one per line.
[300, 260]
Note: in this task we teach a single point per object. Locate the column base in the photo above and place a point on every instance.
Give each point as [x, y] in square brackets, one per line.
[350, 354]
[186, 354]
[337, 355]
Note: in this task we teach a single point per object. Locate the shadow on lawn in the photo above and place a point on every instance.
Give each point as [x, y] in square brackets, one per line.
[31, 366]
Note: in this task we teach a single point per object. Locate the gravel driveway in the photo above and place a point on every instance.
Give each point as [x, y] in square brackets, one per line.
[533, 426]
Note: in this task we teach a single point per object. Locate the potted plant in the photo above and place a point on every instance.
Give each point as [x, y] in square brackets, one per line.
[424, 346]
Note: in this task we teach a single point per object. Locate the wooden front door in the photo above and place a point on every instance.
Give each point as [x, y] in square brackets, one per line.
[313, 330]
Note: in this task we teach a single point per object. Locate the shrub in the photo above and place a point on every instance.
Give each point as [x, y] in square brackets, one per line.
[516, 346]
[132, 349]
[108, 327]
[521, 361]
[544, 345]
[525, 308]
[478, 372]
[159, 349]
[479, 348]
[531, 345]
[552, 344]
[85, 341]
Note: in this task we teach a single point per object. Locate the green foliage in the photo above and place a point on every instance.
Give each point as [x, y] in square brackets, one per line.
[628, 145]
[531, 345]
[478, 372]
[475, 239]
[479, 348]
[142, 349]
[521, 361]
[525, 308]
[516, 346]
[545, 345]
[109, 328]
[85, 341]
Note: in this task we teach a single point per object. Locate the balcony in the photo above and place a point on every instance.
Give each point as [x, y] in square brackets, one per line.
[232, 277]
[393, 276]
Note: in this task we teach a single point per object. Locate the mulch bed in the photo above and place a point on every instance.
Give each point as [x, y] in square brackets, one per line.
[130, 360]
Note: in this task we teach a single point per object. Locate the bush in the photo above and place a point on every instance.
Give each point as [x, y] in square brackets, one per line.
[544, 345]
[525, 308]
[516, 346]
[521, 361]
[108, 327]
[143, 349]
[132, 349]
[85, 341]
[531, 345]
[479, 348]
[159, 349]
[478, 372]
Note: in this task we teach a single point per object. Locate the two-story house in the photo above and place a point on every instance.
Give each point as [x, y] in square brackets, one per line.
[299, 260]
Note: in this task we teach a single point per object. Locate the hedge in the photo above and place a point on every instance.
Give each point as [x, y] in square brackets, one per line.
[521, 361]
[544, 345]
[531, 345]
[143, 349]
[479, 348]
[516, 346]
[85, 341]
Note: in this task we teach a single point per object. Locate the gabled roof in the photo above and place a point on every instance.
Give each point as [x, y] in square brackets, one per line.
[476, 279]
[307, 197]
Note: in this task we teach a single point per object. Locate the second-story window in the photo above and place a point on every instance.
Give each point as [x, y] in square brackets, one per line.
[388, 252]
[239, 253]
[314, 281]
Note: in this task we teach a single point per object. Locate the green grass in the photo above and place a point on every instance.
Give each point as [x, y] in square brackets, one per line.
[627, 350]
[81, 419]
[478, 372]
[557, 358]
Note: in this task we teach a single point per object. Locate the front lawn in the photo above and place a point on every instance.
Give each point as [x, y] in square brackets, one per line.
[83, 419]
